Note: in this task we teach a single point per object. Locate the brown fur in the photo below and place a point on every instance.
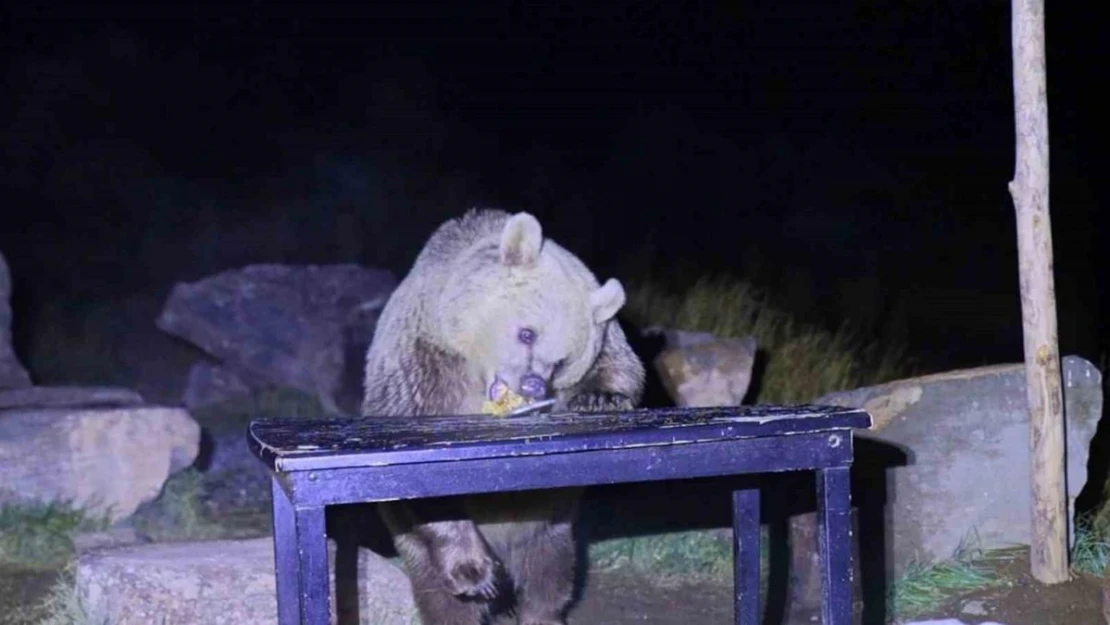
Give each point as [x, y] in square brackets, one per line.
[459, 552]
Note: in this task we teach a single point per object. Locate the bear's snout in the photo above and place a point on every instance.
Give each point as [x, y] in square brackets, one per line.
[533, 386]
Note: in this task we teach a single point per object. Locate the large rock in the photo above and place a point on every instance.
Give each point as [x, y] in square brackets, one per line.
[223, 582]
[284, 325]
[68, 397]
[211, 383]
[966, 437]
[106, 460]
[699, 369]
[110, 538]
[12, 373]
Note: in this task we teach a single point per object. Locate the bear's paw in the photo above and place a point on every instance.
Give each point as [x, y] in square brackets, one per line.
[599, 401]
[470, 574]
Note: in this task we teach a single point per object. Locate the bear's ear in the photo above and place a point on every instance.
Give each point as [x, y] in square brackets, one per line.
[521, 240]
[606, 301]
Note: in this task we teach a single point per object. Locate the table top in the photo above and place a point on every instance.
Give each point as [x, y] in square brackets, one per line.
[303, 445]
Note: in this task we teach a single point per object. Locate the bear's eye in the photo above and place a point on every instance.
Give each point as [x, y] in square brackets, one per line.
[526, 336]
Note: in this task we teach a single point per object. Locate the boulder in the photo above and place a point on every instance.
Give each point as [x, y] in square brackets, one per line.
[284, 325]
[110, 538]
[12, 373]
[211, 383]
[699, 369]
[68, 397]
[224, 583]
[105, 460]
[966, 437]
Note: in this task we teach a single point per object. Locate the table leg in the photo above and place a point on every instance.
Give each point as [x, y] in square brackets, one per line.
[834, 545]
[745, 533]
[286, 565]
[300, 561]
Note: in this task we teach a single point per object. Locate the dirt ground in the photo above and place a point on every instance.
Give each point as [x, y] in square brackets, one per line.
[614, 598]
[617, 600]
[1024, 601]
[19, 590]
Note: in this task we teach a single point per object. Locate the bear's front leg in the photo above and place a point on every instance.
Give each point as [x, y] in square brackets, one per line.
[434, 602]
[450, 550]
[462, 558]
[543, 570]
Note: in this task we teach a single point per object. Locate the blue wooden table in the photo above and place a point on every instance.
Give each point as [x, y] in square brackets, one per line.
[357, 460]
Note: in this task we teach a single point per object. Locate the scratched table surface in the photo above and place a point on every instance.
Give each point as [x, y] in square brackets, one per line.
[292, 445]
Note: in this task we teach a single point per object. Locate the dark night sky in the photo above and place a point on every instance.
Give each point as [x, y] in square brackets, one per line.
[838, 143]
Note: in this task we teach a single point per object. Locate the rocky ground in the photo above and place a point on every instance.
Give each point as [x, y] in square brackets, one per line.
[234, 502]
[615, 597]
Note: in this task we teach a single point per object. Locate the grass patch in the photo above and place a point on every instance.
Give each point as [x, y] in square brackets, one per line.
[39, 536]
[1091, 551]
[924, 587]
[689, 555]
[62, 605]
[804, 361]
[179, 512]
[23, 592]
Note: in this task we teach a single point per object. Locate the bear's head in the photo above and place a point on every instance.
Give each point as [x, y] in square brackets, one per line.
[525, 312]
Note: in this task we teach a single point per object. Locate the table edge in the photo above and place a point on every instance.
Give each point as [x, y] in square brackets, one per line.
[313, 460]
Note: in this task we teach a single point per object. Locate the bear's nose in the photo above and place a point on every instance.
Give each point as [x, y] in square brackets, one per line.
[533, 386]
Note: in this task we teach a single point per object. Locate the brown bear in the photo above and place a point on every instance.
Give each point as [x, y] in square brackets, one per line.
[488, 303]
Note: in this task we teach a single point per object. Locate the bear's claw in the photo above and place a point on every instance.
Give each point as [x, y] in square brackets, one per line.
[599, 401]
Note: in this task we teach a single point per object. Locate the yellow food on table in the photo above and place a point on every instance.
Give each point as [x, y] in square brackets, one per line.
[506, 401]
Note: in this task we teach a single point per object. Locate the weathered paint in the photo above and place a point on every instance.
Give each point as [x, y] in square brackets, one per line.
[319, 463]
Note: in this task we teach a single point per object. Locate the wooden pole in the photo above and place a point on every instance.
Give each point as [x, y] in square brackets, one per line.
[1029, 190]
